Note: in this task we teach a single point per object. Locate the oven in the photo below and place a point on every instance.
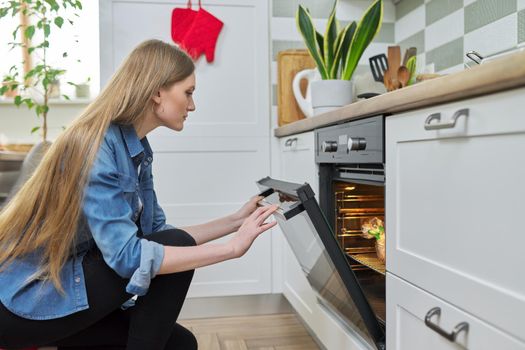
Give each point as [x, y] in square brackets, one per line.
[339, 238]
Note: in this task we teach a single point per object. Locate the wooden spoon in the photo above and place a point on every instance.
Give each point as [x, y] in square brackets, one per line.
[403, 74]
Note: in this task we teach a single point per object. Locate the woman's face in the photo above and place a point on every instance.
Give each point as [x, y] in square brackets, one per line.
[174, 103]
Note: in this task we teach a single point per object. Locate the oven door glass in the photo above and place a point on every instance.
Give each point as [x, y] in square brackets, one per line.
[323, 261]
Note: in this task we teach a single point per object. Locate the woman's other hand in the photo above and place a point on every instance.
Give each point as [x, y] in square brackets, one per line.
[246, 210]
[251, 228]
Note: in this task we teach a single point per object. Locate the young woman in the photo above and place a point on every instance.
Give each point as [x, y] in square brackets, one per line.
[85, 233]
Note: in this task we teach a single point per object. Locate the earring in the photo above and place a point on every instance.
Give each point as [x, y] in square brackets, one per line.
[162, 111]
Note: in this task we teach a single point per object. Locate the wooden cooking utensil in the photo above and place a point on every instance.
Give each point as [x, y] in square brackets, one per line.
[386, 80]
[394, 61]
[403, 74]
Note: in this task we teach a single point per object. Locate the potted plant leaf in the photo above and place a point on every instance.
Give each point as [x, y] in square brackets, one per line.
[37, 82]
[336, 54]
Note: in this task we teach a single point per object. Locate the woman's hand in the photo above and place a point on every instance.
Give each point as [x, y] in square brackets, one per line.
[246, 210]
[250, 229]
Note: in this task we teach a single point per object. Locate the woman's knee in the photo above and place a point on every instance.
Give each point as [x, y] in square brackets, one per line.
[172, 237]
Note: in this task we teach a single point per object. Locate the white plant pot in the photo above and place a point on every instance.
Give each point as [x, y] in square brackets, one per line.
[328, 95]
[321, 95]
[82, 91]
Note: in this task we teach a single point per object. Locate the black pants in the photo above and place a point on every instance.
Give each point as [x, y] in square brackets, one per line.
[149, 325]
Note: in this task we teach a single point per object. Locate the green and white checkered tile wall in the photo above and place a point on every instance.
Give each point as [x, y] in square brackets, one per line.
[444, 30]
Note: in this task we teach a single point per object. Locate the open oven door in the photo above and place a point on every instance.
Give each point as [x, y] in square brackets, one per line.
[321, 258]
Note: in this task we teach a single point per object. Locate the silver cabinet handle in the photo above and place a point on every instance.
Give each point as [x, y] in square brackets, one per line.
[463, 326]
[437, 116]
[290, 141]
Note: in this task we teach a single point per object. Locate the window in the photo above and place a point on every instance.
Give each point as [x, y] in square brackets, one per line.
[80, 41]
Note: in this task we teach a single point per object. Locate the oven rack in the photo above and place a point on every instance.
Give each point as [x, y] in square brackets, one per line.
[358, 198]
[361, 210]
[370, 260]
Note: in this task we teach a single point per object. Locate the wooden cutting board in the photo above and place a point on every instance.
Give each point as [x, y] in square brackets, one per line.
[289, 63]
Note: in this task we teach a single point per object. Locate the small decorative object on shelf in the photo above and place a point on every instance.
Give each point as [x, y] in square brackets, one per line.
[82, 90]
[54, 89]
[374, 228]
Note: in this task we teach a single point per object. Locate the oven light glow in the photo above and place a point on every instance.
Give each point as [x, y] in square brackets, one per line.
[349, 188]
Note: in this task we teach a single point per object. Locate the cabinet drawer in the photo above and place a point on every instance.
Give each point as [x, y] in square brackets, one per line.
[298, 142]
[407, 307]
[454, 206]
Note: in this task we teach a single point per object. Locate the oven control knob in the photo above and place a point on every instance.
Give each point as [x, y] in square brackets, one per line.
[329, 146]
[356, 143]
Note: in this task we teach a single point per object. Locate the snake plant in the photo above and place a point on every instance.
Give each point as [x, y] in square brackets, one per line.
[337, 52]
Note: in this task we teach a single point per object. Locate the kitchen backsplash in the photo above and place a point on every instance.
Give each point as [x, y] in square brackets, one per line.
[444, 30]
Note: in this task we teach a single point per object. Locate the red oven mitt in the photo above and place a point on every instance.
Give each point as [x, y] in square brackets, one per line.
[181, 21]
[202, 36]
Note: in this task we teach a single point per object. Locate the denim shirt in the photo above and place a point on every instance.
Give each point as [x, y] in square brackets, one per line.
[110, 212]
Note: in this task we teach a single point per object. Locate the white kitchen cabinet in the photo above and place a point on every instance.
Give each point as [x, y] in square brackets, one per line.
[297, 164]
[407, 309]
[454, 209]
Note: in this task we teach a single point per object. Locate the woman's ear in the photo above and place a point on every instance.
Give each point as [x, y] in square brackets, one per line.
[156, 97]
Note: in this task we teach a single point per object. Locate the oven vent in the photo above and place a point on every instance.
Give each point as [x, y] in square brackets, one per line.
[373, 172]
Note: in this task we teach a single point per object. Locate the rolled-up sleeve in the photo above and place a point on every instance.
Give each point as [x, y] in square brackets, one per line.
[109, 217]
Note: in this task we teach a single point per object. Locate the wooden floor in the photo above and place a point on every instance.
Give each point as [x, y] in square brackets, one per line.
[261, 332]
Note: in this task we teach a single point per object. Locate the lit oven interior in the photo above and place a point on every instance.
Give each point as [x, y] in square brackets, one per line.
[360, 230]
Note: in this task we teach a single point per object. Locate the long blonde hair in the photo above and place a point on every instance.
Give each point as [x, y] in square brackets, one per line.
[44, 214]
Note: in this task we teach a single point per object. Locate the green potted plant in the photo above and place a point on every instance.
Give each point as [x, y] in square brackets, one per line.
[37, 83]
[336, 54]
[82, 90]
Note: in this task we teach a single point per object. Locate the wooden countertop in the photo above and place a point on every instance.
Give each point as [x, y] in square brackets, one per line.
[497, 75]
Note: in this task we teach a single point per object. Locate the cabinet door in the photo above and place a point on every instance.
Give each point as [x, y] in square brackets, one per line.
[297, 164]
[454, 205]
[407, 308]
